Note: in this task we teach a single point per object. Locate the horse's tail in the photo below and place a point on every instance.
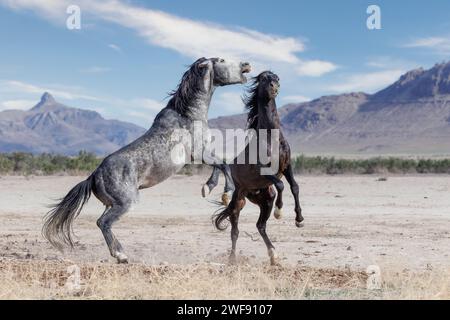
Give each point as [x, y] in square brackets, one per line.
[58, 221]
[220, 217]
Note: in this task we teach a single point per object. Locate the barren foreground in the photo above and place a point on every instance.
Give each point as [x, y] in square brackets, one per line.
[401, 225]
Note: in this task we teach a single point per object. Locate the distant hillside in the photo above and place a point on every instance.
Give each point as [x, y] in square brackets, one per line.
[55, 128]
[411, 116]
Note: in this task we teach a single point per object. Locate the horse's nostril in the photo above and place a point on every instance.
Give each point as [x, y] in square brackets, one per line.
[245, 66]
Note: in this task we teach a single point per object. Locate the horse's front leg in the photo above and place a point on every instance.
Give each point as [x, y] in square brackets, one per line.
[289, 174]
[214, 179]
[279, 185]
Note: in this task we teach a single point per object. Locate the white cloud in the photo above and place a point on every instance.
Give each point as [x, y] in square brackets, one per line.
[189, 37]
[440, 45]
[384, 63]
[51, 9]
[315, 68]
[17, 104]
[141, 115]
[115, 47]
[296, 99]
[95, 69]
[193, 38]
[27, 88]
[230, 102]
[141, 111]
[148, 104]
[368, 82]
[102, 111]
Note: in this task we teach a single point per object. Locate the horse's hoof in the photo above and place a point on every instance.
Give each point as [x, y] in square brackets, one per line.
[205, 191]
[278, 213]
[299, 222]
[275, 263]
[225, 199]
[273, 258]
[232, 260]
[121, 258]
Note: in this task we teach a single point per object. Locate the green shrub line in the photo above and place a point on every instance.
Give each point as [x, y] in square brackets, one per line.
[21, 163]
[379, 165]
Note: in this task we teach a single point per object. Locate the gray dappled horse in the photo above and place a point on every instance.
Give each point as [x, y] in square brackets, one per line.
[148, 160]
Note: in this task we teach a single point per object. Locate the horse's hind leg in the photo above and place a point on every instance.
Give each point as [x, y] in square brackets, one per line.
[105, 222]
[211, 183]
[236, 205]
[229, 185]
[265, 202]
[289, 174]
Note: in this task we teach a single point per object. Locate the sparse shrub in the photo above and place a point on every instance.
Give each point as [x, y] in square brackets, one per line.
[378, 165]
[21, 163]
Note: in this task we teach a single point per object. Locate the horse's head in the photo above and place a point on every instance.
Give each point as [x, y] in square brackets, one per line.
[264, 89]
[203, 75]
[268, 85]
[226, 72]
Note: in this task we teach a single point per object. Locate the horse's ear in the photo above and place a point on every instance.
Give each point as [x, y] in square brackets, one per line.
[203, 65]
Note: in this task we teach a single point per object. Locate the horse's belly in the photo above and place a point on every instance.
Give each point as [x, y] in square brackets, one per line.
[157, 175]
[149, 182]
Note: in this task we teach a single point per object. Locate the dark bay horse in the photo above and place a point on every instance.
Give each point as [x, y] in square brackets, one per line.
[247, 177]
[148, 160]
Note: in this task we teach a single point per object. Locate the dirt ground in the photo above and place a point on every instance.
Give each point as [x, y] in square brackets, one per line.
[351, 222]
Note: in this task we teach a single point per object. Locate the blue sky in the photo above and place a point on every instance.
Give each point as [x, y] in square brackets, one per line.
[129, 54]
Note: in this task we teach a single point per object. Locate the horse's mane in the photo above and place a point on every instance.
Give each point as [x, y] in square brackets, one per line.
[251, 100]
[188, 88]
[251, 103]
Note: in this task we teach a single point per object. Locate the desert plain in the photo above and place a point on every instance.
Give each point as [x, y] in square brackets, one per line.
[396, 225]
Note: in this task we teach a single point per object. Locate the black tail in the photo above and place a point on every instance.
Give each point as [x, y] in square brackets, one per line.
[57, 227]
[219, 218]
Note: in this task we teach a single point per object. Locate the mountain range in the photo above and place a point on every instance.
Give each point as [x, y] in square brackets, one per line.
[411, 116]
[52, 127]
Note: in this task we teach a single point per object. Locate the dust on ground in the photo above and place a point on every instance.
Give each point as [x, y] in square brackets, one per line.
[351, 222]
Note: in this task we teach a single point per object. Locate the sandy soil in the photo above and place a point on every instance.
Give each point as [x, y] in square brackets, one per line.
[351, 222]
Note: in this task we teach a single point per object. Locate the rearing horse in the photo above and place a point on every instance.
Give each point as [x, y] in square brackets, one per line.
[247, 177]
[148, 160]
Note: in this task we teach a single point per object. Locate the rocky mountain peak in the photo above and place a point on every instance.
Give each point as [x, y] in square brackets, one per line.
[418, 84]
[53, 127]
[47, 103]
[47, 98]
[410, 76]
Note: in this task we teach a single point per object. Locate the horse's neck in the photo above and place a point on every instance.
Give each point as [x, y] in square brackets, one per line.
[268, 116]
[201, 103]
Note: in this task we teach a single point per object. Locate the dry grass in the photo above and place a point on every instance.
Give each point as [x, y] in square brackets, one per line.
[47, 280]
[407, 285]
